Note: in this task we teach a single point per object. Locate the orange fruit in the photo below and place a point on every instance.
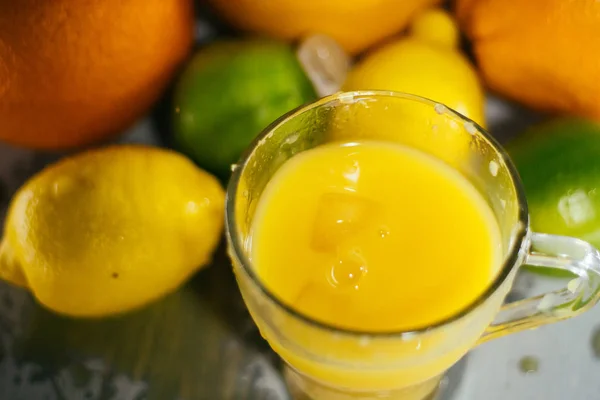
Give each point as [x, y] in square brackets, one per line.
[75, 72]
[542, 53]
[355, 24]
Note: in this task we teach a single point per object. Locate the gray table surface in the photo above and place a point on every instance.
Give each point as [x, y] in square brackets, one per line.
[200, 343]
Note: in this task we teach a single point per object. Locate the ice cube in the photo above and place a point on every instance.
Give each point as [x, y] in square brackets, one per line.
[325, 63]
[340, 216]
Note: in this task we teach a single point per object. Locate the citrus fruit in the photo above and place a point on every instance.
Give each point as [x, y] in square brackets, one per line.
[229, 93]
[436, 26]
[73, 73]
[355, 24]
[110, 230]
[538, 52]
[426, 62]
[560, 169]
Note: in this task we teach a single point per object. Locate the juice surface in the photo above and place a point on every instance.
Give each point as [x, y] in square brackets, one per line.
[374, 236]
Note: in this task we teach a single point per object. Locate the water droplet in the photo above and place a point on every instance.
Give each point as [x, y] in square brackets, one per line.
[363, 103]
[529, 365]
[440, 108]
[246, 194]
[574, 285]
[384, 232]
[191, 207]
[547, 302]
[346, 98]
[519, 226]
[364, 341]
[233, 167]
[347, 271]
[292, 138]
[493, 168]
[470, 127]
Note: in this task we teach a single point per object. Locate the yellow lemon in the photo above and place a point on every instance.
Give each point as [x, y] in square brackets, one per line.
[109, 230]
[427, 63]
[436, 26]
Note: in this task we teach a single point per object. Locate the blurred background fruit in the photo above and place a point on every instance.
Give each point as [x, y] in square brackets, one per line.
[355, 24]
[110, 230]
[230, 92]
[425, 62]
[559, 164]
[542, 53]
[73, 73]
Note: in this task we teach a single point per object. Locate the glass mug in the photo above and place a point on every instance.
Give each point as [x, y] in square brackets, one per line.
[324, 362]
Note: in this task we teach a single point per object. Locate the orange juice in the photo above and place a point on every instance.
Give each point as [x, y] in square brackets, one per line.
[374, 236]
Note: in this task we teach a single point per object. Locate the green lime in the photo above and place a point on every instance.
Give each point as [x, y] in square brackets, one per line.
[559, 163]
[229, 92]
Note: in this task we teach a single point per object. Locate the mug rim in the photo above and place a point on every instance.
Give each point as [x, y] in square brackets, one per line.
[510, 260]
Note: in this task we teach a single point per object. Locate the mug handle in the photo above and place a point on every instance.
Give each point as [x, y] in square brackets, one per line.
[560, 252]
